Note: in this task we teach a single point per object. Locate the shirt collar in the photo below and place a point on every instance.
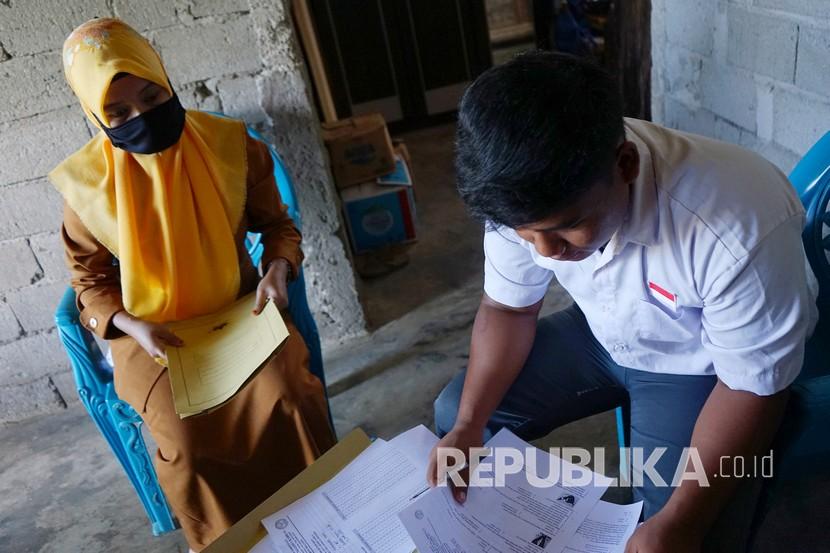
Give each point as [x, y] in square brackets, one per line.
[641, 222]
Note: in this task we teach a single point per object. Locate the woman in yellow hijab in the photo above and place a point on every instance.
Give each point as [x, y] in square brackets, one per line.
[157, 206]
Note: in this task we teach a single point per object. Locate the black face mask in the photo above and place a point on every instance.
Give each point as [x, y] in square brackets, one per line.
[151, 132]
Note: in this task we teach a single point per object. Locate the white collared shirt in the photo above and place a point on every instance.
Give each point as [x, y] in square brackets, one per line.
[707, 275]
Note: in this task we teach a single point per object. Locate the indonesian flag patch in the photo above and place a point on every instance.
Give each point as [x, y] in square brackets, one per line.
[662, 295]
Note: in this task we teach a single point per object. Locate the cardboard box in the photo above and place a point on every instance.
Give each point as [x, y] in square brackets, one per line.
[402, 175]
[400, 148]
[379, 215]
[360, 149]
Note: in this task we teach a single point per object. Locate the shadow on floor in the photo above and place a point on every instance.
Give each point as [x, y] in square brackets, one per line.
[62, 491]
[448, 252]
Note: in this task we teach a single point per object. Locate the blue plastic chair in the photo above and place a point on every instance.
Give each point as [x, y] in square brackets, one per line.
[804, 438]
[803, 442]
[116, 420]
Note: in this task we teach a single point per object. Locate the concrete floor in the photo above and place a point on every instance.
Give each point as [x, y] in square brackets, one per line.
[448, 251]
[61, 489]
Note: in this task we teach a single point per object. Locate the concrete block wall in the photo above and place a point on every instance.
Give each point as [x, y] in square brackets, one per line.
[752, 72]
[236, 56]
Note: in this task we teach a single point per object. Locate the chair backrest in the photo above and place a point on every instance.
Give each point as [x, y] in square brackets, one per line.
[284, 184]
[804, 438]
[811, 179]
[67, 313]
[297, 299]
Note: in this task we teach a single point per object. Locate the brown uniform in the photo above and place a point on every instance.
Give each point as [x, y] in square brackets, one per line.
[214, 468]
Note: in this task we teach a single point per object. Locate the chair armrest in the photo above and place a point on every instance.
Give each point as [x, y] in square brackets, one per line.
[67, 312]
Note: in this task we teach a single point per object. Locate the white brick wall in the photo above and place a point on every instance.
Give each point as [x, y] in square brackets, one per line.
[729, 93]
[753, 72]
[799, 119]
[242, 99]
[809, 8]
[762, 43]
[35, 145]
[34, 306]
[34, 397]
[236, 56]
[9, 327]
[210, 49]
[146, 15]
[48, 250]
[39, 86]
[22, 269]
[691, 25]
[41, 25]
[31, 357]
[683, 70]
[813, 70]
[201, 8]
[28, 208]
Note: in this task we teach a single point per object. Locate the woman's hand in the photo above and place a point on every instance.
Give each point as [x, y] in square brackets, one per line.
[274, 285]
[153, 337]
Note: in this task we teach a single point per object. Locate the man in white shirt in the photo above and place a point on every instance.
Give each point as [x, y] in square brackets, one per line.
[692, 294]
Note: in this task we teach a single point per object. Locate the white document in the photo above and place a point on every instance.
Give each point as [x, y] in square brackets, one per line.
[607, 528]
[416, 443]
[356, 511]
[518, 517]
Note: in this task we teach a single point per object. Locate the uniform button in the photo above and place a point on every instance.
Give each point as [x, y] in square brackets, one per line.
[93, 322]
[619, 346]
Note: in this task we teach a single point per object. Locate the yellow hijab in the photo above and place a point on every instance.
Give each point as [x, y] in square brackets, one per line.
[170, 217]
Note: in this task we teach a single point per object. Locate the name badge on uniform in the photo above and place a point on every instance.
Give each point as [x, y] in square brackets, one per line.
[662, 295]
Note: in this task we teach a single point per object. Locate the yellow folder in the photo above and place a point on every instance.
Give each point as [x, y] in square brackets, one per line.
[246, 533]
[221, 353]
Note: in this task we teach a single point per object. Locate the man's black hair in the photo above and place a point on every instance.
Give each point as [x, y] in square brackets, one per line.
[533, 135]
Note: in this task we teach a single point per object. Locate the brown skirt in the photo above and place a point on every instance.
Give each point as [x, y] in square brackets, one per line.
[217, 467]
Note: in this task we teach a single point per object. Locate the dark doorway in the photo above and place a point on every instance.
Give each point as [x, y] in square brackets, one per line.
[617, 33]
[411, 60]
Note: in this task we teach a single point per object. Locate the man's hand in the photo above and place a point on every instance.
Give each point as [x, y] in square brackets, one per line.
[153, 337]
[274, 285]
[501, 341]
[661, 534]
[460, 437]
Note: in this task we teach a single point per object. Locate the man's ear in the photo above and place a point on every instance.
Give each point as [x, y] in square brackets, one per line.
[628, 161]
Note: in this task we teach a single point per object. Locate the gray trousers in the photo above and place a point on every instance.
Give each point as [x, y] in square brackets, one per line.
[569, 375]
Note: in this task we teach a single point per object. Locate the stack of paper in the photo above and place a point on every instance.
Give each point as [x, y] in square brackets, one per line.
[376, 505]
[520, 516]
[357, 510]
[222, 352]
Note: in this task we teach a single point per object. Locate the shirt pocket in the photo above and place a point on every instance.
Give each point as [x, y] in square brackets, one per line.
[656, 324]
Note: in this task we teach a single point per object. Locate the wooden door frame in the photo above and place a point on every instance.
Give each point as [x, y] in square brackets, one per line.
[630, 54]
